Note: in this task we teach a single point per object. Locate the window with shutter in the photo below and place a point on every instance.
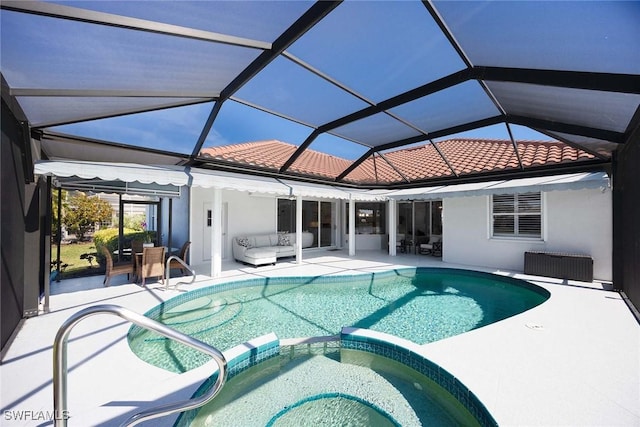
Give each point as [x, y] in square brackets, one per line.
[517, 215]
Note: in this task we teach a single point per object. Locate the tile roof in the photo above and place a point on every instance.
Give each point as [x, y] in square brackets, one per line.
[465, 156]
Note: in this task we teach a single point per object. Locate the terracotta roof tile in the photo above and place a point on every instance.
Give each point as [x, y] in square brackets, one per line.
[466, 156]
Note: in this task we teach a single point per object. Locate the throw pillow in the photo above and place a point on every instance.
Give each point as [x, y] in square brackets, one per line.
[283, 240]
[243, 241]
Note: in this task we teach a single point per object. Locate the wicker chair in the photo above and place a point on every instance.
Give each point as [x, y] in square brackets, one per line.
[152, 264]
[115, 269]
[183, 256]
[136, 248]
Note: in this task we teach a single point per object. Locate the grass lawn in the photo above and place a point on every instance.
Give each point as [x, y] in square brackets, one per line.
[71, 254]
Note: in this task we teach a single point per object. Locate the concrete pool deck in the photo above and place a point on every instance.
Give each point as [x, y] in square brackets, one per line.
[574, 360]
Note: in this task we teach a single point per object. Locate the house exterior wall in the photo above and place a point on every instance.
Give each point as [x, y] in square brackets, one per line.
[575, 221]
[179, 219]
[246, 214]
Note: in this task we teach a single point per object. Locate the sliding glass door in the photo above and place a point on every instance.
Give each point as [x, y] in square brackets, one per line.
[318, 218]
[418, 222]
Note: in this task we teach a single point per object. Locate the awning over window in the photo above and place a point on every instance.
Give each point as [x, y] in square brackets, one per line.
[166, 180]
[575, 181]
[331, 191]
[127, 172]
[122, 178]
[235, 181]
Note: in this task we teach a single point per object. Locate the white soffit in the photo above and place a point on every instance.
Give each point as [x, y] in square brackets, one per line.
[575, 181]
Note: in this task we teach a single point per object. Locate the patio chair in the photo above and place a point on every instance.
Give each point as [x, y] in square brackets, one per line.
[152, 264]
[433, 247]
[115, 269]
[174, 264]
[136, 248]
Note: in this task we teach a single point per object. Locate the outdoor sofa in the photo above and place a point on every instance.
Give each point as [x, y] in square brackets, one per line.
[262, 249]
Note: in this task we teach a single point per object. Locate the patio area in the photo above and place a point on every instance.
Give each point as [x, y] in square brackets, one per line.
[571, 361]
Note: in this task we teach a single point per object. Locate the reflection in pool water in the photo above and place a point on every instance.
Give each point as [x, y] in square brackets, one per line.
[421, 305]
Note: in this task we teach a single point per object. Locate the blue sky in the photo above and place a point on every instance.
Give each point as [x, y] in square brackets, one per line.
[375, 60]
[178, 129]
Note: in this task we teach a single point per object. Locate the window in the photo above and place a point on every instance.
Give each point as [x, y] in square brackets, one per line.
[286, 216]
[517, 215]
[370, 218]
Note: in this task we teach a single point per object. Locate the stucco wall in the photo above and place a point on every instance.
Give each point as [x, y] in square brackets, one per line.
[246, 214]
[576, 221]
[179, 221]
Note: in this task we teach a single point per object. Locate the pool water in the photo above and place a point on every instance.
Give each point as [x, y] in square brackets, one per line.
[346, 388]
[421, 305]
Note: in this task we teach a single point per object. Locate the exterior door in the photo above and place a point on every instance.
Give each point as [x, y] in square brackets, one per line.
[207, 222]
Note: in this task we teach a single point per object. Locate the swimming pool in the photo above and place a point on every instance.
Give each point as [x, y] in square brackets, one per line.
[421, 305]
[330, 386]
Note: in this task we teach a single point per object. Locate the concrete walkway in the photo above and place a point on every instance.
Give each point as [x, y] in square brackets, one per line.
[574, 360]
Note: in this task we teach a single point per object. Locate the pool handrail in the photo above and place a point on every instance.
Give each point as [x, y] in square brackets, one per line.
[60, 364]
[168, 271]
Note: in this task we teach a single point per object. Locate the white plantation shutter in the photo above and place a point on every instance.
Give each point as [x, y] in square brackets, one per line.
[517, 215]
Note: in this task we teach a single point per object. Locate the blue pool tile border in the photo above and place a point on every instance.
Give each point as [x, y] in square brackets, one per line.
[254, 355]
[235, 366]
[424, 366]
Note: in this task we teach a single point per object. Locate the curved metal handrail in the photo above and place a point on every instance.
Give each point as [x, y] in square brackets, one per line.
[60, 364]
[168, 271]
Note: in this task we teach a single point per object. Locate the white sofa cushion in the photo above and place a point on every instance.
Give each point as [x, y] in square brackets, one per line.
[261, 241]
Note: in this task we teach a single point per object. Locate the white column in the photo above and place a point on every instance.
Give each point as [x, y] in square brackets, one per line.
[216, 233]
[352, 227]
[299, 230]
[392, 227]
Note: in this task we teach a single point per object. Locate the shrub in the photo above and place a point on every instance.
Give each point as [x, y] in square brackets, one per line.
[109, 238]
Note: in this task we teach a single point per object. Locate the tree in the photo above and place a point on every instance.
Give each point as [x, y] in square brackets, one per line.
[84, 212]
